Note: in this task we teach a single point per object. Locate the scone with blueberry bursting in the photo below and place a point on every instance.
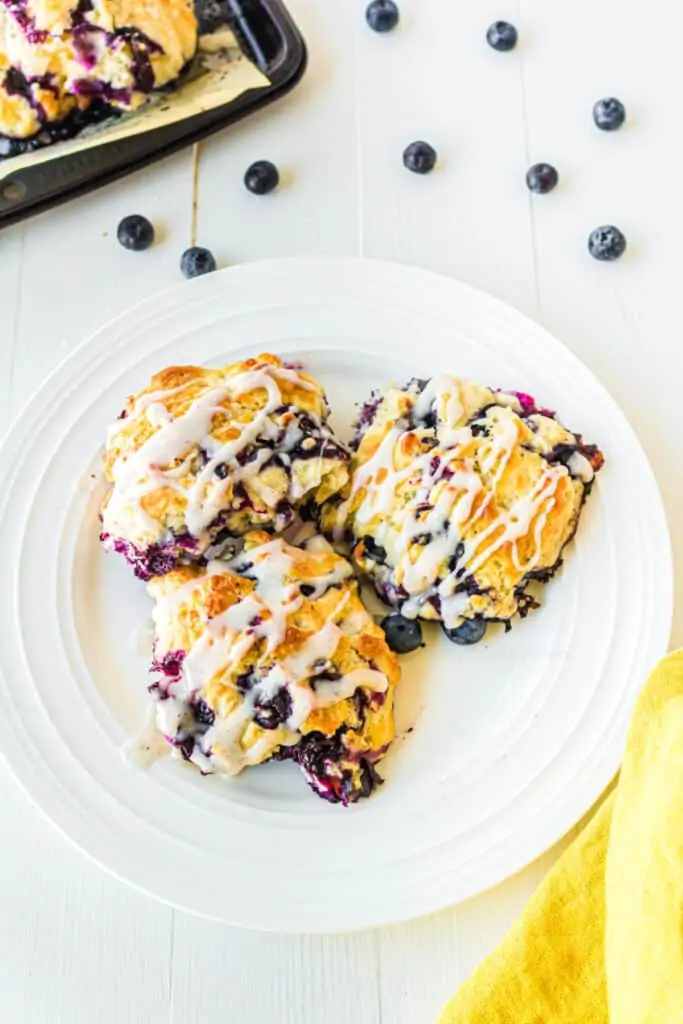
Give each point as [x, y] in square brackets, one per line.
[204, 455]
[273, 656]
[61, 59]
[460, 497]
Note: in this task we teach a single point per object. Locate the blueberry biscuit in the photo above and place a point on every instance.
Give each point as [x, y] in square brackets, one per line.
[273, 656]
[61, 59]
[202, 455]
[460, 497]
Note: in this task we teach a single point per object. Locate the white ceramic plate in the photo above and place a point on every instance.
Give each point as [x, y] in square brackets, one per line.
[513, 739]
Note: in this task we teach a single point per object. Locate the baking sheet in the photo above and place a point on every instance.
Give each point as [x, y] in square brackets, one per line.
[219, 73]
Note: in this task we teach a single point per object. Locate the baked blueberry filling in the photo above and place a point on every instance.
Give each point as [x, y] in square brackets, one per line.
[302, 438]
[333, 772]
[366, 418]
[107, 56]
[155, 560]
[270, 714]
[170, 667]
[431, 560]
[203, 714]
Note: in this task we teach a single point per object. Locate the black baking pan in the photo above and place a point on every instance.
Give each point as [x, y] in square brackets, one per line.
[267, 34]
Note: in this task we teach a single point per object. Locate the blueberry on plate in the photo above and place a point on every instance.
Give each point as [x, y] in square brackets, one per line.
[403, 635]
[135, 232]
[606, 243]
[502, 36]
[419, 157]
[609, 114]
[262, 177]
[382, 15]
[470, 631]
[542, 178]
[197, 261]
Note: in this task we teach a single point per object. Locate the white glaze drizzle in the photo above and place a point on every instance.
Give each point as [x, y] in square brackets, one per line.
[227, 638]
[176, 439]
[449, 523]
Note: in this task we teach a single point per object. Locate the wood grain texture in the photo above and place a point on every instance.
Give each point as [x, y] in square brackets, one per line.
[77, 946]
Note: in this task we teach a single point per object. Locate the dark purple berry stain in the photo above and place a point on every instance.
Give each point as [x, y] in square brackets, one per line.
[203, 714]
[270, 714]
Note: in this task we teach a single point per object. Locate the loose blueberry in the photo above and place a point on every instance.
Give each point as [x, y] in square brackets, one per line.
[135, 232]
[382, 15]
[403, 635]
[502, 36]
[606, 243]
[609, 114]
[262, 177]
[542, 178]
[470, 631]
[197, 261]
[419, 157]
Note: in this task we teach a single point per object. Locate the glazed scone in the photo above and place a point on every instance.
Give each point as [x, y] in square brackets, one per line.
[271, 656]
[460, 497]
[203, 455]
[59, 56]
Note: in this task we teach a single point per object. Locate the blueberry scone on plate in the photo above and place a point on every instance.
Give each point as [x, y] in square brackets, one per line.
[461, 497]
[273, 656]
[60, 58]
[203, 455]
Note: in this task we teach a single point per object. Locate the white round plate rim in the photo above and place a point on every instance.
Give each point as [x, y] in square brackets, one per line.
[522, 844]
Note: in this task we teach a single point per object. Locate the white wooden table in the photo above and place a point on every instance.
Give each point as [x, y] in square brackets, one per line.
[78, 946]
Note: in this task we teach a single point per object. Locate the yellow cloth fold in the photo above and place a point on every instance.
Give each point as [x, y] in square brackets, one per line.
[601, 941]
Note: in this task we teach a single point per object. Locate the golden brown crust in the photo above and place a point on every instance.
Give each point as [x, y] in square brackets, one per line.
[458, 496]
[256, 446]
[192, 603]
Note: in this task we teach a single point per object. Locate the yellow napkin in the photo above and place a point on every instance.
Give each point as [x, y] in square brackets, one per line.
[601, 942]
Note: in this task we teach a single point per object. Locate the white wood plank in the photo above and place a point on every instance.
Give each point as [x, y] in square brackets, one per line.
[11, 254]
[272, 979]
[436, 79]
[620, 319]
[310, 136]
[423, 963]
[75, 276]
[76, 946]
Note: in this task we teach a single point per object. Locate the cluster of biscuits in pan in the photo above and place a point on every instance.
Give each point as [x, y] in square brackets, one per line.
[252, 526]
[66, 63]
